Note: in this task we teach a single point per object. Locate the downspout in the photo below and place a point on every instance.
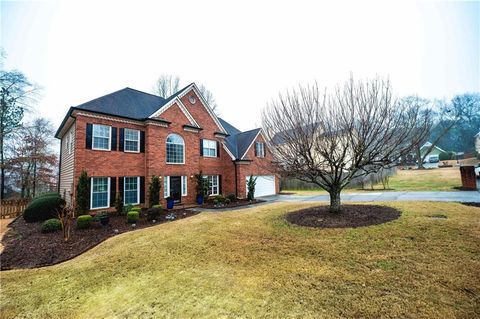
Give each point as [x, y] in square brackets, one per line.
[59, 167]
[236, 185]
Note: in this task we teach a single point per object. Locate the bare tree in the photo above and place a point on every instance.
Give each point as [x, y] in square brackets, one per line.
[331, 139]
[439, 116]
[166, 85]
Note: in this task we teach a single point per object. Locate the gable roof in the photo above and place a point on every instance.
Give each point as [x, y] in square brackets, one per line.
[238, 142]
[428, 144]
[127, 102]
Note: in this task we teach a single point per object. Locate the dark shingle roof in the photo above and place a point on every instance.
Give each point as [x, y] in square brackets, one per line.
[126, 103]
[238, 142]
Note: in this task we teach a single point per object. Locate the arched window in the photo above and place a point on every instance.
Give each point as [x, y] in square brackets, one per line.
[175, 149]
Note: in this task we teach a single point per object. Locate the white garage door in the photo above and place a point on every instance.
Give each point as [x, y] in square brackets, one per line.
[265, 185]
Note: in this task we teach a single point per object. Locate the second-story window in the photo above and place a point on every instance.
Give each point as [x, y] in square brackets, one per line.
[101, 137]
[175, 149]
[132, 140]
[260, 149]
[209, 148]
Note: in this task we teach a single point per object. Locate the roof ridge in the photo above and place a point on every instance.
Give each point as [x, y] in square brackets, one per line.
[142, 92]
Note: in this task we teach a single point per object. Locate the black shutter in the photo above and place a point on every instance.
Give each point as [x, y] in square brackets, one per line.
[114, 139]
[142, 141]
[218, 149]
[89, 136]
[264, 149]
[120, 186]
[201, 147]
[113, 190]
[220, 184]
[121, 139]
[142, 189]
[255, 145]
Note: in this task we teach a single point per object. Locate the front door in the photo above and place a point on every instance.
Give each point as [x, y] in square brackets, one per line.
[176, 188]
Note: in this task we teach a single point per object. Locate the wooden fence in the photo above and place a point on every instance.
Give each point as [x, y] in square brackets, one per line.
[11, 208]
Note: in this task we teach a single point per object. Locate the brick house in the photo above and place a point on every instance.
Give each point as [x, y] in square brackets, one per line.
[124, 138]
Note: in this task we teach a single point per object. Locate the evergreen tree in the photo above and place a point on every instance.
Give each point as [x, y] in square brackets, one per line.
[154, 191]
[83, 196]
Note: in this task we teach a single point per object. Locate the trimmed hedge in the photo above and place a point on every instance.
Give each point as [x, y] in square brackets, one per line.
[51, 225]
[43, 208]
[83, 221]
[136, 209]
[154, 212]
[133, 217]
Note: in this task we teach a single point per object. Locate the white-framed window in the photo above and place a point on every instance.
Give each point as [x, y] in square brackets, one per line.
[209, 148]
[131, 190]
[166, 186]
[100, 192]
[212, 184]
[184, 185]
[131, 140]
[175, 149]
[101, 137]
[260, 149]
[70, 143]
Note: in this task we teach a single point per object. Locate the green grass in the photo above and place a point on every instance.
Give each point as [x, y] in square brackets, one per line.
[442, 179]
[251, 263]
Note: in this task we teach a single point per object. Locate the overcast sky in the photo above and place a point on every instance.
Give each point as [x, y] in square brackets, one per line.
[244, 52]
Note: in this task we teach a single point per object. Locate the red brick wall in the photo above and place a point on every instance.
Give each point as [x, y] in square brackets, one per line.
[153, 161]
[469, 180]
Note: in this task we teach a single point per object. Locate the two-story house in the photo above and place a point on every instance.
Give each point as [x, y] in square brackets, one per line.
[124, 138]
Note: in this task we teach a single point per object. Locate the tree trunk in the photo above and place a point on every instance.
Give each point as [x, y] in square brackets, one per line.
[334, 201]
[419, 158]
[2, 169]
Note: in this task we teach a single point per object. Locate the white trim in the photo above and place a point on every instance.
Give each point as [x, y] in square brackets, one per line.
[203, 148]
[184, 183]
[166, 155]
[91, 192]
[205, 104]
[125, 140]
[263, 149]
[138, 190]
[228, 152]
[218, 184]
[109, 138]
[181, 107]
[193, 130]
[253, 141]
[166, 188]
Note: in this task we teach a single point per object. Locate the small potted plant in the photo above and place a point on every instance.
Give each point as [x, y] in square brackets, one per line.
[170, 202]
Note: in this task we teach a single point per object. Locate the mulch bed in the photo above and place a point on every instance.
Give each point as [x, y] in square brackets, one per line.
[237, 203]
[25, 246]
[351, 216]
[471, 204]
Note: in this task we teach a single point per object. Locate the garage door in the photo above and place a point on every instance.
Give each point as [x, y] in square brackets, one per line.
[265, 185]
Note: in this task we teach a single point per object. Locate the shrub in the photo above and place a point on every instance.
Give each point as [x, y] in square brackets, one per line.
[202, 184]
[83, 221]
[215, 202]
[43, 208]
[232, 197]
[136, 209]
[251, 187]
[133, 217]
[83, 194]
[119, 204]
[227, 201]
[153, 213]
[51, 225]
[48, 194]
[158, 206]
[220, 198]
[126, 209]
[154, 191]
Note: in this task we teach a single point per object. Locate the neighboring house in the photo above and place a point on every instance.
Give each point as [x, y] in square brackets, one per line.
[433, 157]
[124, 138]
[477, 143]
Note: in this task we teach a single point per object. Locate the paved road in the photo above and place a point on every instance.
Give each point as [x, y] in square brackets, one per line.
[460, 196]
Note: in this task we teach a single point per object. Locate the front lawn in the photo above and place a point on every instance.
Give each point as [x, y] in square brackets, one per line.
[252, 263]
[440, 179]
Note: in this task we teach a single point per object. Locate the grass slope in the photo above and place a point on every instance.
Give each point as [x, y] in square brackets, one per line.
[442, 179]
[251, 263]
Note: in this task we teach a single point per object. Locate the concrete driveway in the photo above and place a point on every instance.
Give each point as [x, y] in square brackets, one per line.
[460, 196]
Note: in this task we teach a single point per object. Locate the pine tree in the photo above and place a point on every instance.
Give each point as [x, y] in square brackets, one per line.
[83, 198]
[154, 191]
